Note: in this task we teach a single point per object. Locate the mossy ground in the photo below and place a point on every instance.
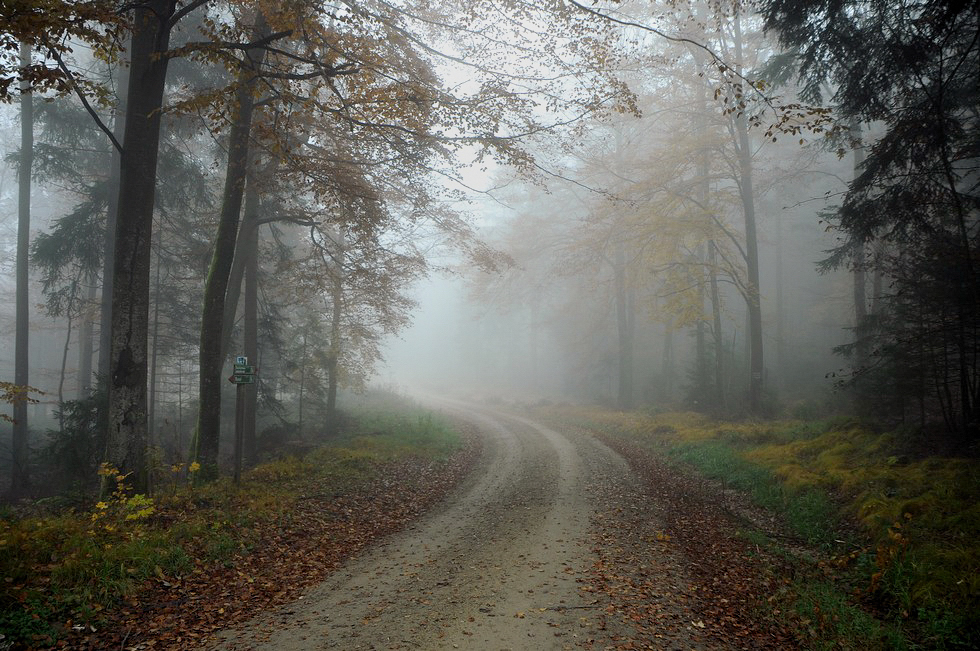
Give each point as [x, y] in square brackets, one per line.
[68, 569]
[899, 530]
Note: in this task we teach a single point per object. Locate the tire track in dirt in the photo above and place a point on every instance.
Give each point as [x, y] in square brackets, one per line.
[503, 565]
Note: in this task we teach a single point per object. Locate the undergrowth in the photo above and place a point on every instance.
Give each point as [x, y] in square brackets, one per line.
[66, 569]
[898, 530]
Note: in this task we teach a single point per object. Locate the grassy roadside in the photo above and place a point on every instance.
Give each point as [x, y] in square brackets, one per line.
[66, 574]
[883, 542]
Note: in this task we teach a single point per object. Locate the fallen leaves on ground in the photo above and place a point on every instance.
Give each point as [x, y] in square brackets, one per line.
[671, 572]
[298, 551]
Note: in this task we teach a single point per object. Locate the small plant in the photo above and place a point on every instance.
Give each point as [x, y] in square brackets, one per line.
[177, 474]
[14, 394]
[72, 453]
[120, 507]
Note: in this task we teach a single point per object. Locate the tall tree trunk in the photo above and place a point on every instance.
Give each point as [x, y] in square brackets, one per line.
[126, 439]
[85, 350]
[236, 279]
[250, 218]
[64, 363]
[877, 277]
[112, 219]
[180, 410]
[720, 396]
[152, 398]
[753, 298]
[703, 188]
[859, 263]
[704, 193]
[625, 327]
[245, 262]
[337, 310]
[667, 369]
[211, 361]
[780, 308]
[302, 384]
[20, 472]
[700, 336]
[251, 330]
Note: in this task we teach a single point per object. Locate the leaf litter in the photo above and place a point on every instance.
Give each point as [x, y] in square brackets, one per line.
[298, 551]
[671, 572]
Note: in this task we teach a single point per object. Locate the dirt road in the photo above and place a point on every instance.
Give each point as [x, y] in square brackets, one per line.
[501, 565]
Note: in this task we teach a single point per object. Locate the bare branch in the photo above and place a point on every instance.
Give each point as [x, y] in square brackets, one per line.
[204, 46]
[183, 11]
[81, 96]
[675, 39]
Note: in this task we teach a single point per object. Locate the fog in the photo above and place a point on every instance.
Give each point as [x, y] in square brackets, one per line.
[485, 336]
[638, 205]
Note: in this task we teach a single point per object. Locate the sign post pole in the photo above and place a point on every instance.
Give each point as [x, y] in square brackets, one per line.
[239, 429]
[241, 375]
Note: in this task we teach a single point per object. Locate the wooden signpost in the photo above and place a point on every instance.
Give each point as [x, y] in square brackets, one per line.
[242, 375]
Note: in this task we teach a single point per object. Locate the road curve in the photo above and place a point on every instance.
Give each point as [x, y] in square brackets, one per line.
[498, 566]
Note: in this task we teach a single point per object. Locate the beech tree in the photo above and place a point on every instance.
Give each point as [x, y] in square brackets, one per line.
[20, 475]
[385, 91]
[397, 95]
[211, 359]
[678, 204]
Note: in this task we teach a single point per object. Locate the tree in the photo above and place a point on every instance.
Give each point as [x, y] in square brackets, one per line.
[385, 92]
[70, 155]
[20, 474]
[753, 296]
[150, 54]
[127, 409]
[393, 99]
[916, 192]
[51, 30]
[211, 358]
[109, 241]
[250, 335]
[69, 258]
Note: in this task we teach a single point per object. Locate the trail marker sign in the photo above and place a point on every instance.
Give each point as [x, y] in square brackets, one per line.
[243, 372]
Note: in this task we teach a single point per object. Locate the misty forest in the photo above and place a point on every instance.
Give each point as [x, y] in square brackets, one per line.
[565, 324]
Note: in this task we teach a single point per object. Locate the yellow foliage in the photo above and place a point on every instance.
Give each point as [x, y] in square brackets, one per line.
[924, 513]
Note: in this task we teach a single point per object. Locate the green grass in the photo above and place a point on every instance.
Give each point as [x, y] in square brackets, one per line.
[829, 620]
[809, 514]
[387, 434]
[909, 523]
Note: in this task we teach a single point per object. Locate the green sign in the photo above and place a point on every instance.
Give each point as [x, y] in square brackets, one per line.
[243, 372]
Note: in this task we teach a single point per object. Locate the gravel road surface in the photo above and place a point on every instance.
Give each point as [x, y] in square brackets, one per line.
[502, 565]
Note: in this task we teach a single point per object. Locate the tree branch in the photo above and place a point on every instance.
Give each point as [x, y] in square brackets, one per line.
[675, 39]
[81, 96]
[183, 11]
[203, 46]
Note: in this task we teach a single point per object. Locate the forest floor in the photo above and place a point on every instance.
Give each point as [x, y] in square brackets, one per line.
[551, 528]
[552, 541]
[321, 531]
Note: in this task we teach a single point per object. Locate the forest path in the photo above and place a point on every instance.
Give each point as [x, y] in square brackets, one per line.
[502, 564]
